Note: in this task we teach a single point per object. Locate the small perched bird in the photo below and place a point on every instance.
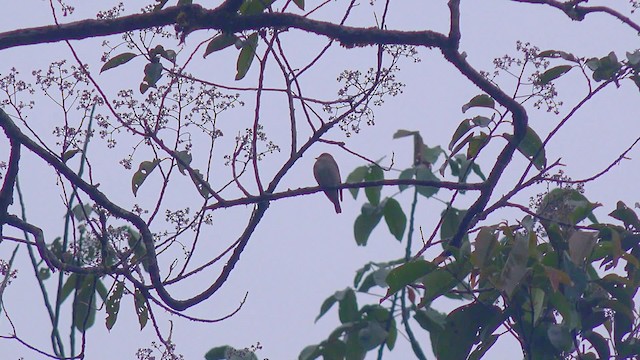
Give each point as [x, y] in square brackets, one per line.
[327, 175]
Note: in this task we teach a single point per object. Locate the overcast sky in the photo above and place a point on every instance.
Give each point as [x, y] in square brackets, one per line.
[302, 252]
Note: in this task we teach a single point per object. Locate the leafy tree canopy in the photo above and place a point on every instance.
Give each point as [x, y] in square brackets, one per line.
[165, 145]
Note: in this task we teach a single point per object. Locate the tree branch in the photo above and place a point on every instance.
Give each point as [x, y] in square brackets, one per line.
[195, 17]
[578, 12]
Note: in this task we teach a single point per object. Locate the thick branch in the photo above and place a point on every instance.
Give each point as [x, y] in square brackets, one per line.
[6, 194]
[87, 28]
[14, 133]
[520, 120]
[194, 17]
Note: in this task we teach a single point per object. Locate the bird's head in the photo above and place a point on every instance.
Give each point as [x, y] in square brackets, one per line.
[324, 156]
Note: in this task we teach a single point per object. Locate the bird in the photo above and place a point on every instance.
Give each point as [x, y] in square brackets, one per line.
[327, 174]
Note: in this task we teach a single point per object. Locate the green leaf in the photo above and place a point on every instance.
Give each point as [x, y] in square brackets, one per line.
[365, 223]
[84, 303]
[636, 80]
[393, 335]
[299, 3]
[599, 343]
[200, 182]
[253, 7]
[143, 87]
[628, 349]
[347, 306]
[476, 170]
[217, 353]
[481, 121]
[69, 154]
[553, 73]
[183, 157]
[537, 301]
[152, 73]
[483, 100]
[196, 177]
[437, 283]
[462, 129]
[406, 174]
[407, 273]
[430, 155]
[593, 64]
[582, 209]
[117, 61]
[462, 143]
[166, 54]
[219, 42]
[356, 176]
[156, 51]
[433, 321]
[482, 349]
[247, 53]
[144, 169]
[558, 277]
[139, 249]
[476, 143]
[69, 286]
[454, 164]
[112, 304]
[360, 273]
[450, 223]
[372, 335]
[308, 353]
[563, 306]
[626, 215]
[461, 328]
[44, 273]
[622, 324]
[326, 305]
[530, 146]
[573, 206]
[160, 4]
[604, 68]
[334, 349]
[485, 246]
[395, 218]
[590, 319]
[441, 280]
[141, 308]
[380, 276]
[581, 244]
[516, 265]
[102, 290]
[560, 337]
[81, 211]
[634, 57]
[404, 133]
[170, 55]
[558, 54]
[368, 283]
[373, 192]
[423, 173]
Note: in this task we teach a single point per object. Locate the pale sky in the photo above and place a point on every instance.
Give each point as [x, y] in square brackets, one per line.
[302, 252]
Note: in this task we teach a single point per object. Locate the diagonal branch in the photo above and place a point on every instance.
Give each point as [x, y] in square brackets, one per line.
[520, 120]
[6, 193]
[579, 12]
